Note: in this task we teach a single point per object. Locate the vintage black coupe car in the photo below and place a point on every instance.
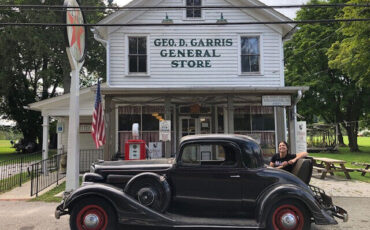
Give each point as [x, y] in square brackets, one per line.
[215, 181]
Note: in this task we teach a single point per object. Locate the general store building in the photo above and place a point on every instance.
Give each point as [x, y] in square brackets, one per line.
[222, 78]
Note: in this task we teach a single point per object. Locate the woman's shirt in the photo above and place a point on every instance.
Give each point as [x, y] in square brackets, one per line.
[279, 161]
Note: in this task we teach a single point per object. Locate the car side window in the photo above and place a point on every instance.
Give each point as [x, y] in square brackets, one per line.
[208, 155]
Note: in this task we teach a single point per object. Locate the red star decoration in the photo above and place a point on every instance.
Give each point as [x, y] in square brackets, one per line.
[77, 30]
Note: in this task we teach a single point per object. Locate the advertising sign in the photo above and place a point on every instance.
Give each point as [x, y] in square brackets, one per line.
[301, 142]
[155, 150]
[165, 130]
[76, 35]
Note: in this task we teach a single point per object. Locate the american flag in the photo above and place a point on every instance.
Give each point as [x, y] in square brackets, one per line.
[97, 128]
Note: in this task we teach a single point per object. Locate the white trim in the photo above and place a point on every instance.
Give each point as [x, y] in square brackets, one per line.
[282, 74]
[108, 62]
[261, 59]
[116, 128]
[202, 12]
[127, 67]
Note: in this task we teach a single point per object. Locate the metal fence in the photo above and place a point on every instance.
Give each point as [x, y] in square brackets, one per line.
[50, 171]
[14, 172]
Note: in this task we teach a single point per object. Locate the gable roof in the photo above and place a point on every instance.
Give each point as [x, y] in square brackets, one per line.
[260, 15]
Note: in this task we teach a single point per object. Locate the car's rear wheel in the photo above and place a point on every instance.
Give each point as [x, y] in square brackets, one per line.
[289, 215]
[92, 214]
[149, 192]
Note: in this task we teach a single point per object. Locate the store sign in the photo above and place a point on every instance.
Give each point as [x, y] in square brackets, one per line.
[192, 53]
[276, 100]
[301, 135]
[85, 128]
[155, 150]
[60, 127]
[165, 130]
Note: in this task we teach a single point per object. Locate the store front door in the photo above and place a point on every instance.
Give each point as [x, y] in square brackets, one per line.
[191, 126]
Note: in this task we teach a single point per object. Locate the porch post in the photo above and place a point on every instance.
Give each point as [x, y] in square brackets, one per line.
[45, 142]
[167, 116]
[292, 128]
[108, 147]
[280, 126]
[230, 114]
[45, 137]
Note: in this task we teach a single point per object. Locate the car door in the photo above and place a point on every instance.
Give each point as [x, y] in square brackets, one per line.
[204, 179]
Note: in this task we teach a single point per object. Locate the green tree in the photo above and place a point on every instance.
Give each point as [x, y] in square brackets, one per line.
[351, 55]
[34, 62]
[333, 96]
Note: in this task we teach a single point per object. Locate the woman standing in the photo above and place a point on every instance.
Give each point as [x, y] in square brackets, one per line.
[285, 160]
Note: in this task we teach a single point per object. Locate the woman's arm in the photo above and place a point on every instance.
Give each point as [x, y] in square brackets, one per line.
[298, 156]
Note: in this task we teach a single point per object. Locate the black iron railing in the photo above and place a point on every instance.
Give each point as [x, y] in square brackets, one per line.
[45, 173]
[14, 172]
[50, 171]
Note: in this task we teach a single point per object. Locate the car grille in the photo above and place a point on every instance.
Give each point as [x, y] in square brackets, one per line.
[321, 197]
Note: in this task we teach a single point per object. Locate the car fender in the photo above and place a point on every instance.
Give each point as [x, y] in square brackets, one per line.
[120, 201]
[279, 192]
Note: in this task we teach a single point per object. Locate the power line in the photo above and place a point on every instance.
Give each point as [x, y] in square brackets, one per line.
[186, 24]
[185, 7]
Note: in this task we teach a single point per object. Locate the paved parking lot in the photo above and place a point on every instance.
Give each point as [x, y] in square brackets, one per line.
[23, 215]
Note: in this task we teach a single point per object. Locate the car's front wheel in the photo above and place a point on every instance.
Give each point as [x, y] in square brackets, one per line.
[91, 214]
[289, 215]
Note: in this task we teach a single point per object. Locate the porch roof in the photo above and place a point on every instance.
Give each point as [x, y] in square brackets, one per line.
[224, 90]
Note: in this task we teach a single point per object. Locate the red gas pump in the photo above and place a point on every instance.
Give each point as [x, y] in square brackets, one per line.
[135, 149]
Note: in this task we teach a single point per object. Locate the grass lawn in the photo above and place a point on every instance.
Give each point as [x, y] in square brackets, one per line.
[345, 154]
[6, 147]
[8, 153]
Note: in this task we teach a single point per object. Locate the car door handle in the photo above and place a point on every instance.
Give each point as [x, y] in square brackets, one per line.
[235, 176]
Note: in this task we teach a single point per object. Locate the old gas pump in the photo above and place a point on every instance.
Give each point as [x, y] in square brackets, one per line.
[135, 149]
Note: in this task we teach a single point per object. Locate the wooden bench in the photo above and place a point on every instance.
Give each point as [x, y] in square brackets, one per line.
[319, 169]
[363, 170]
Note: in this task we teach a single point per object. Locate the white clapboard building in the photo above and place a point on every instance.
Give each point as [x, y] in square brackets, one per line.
[163, 64]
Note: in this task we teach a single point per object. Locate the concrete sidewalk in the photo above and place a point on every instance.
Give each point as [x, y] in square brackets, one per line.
[24, 192]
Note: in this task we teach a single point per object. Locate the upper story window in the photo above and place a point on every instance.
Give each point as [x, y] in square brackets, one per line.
[137, 55]
[193, 12]
[250, 54]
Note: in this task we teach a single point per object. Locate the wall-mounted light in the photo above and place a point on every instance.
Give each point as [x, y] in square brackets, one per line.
[167, 20]
[221, 20]
[154, 114]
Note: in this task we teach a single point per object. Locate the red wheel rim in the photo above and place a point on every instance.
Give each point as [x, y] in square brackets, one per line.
[92, 210]
[287, 210]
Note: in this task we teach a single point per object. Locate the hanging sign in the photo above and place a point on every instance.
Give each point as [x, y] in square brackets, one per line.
[155, 150]
[276, 100]
[301, 135]
[165, 130]
[76, 35]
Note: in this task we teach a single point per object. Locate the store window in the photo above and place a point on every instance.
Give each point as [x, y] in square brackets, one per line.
[193, 12]
[147, 117]
[137, 54]
[250, 54]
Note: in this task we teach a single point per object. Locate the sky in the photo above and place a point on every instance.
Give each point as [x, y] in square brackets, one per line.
[288, 12]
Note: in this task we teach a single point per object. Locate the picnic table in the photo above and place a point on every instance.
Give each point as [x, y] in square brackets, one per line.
[365, 170]
[328, 165]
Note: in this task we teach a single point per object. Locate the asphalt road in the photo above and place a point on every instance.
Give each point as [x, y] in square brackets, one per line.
[22, 215]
